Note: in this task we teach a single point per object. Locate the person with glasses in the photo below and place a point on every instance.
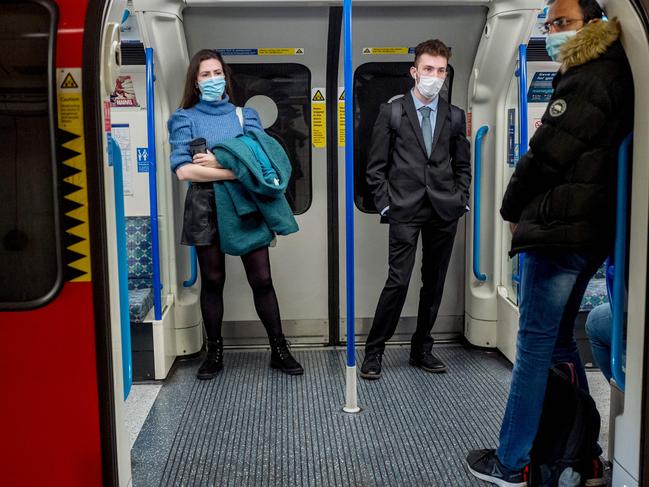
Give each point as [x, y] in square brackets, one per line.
[419, 172]
[560, 203]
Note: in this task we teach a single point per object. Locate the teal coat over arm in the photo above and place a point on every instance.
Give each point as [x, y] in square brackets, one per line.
[250, 210]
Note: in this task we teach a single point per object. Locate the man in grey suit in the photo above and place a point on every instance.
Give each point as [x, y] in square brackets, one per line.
[419, 171]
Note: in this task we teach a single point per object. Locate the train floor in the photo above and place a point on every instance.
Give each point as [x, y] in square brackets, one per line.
[254, 426]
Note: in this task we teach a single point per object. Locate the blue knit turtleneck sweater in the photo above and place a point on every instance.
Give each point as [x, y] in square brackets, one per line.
[215, 121]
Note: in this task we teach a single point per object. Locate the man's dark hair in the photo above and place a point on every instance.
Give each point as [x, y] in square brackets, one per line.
[433, 47]
[590, 9]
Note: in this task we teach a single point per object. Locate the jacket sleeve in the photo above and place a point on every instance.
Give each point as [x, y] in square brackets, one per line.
[180, 134]
[575, 117]
[378, 158]
[461, 155]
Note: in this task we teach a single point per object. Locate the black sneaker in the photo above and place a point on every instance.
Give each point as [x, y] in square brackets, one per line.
[371, 368]
[484, 464]
[594, 474]
[213, 362]
[427, 361]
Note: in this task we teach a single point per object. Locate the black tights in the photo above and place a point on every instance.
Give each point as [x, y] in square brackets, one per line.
[211, 262]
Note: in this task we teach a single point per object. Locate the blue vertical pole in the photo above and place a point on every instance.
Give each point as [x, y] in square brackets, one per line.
[153, 185]
[522, 135]
[351, 403]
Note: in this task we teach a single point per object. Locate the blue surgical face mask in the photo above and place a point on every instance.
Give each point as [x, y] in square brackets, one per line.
[212, 89]
[554, 41]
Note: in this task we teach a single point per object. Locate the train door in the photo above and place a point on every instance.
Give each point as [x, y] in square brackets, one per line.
[279, 71]
[384, 39]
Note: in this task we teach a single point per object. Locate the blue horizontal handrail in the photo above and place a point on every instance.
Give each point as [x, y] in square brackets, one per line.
[153, 187]
[617, 306]
[476, 203]
[194, 268]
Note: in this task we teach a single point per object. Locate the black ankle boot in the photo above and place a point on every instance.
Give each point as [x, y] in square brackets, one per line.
[281, 358]
[213, 362]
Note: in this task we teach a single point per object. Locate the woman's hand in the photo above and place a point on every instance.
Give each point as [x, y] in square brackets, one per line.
[207, 160]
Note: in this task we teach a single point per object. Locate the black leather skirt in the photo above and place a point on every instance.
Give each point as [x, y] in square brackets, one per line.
[199, 222]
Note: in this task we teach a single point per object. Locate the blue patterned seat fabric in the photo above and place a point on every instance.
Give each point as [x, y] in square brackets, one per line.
[596, 293]
[140, 273]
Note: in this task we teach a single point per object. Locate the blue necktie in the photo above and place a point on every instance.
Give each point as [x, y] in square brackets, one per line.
[426, 129]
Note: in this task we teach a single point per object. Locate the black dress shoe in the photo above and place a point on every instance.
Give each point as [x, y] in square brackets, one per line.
[428, 362]
[371, 368]
[213, 362]
[281, 358]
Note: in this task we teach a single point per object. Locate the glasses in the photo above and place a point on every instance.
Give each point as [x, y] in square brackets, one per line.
[558, 24]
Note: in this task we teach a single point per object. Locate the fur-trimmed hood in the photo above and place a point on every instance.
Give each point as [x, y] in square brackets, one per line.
[590, 43]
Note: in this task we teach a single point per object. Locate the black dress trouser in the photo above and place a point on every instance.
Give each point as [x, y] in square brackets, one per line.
[437, 244]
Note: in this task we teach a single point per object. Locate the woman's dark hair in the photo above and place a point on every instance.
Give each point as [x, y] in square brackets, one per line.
[191, 94]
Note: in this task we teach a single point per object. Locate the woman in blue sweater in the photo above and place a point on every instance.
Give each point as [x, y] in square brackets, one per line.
[206, 112]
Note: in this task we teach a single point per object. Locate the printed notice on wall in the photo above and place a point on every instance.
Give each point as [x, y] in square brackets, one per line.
[122, 135]
[124, 93]
[318, 118]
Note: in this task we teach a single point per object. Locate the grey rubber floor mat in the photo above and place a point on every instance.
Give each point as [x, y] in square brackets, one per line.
[254, 426]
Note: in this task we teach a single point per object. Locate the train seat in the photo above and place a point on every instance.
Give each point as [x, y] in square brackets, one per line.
[596, 293]
[140, 271]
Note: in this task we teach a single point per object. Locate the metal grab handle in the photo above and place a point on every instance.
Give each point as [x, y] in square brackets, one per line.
[617, 305]
[194, 268]
[115, 154]
[476, 203]
[153, 185]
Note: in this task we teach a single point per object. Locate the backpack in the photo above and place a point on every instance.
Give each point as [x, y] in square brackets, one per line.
[568, 432]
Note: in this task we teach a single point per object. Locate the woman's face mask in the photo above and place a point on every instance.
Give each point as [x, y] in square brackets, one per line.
[212, 89]
[429, 86]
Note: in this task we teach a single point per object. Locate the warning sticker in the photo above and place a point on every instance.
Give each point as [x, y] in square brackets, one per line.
[124, 93]
[388, 50]
[318, 118]
[281, 51]
[73, 172]
[341, 116]
[69, 82]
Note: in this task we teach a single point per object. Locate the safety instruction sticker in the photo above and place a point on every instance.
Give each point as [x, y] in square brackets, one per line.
[341, 116]
[76, 239]
[263, 51]
[387, 50]
[318, 118]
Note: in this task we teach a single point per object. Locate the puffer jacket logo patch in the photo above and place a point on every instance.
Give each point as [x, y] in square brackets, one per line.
[558, 107]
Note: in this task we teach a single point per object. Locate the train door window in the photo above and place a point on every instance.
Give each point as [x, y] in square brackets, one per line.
[30, 257]
[280, 92]
[376, 83]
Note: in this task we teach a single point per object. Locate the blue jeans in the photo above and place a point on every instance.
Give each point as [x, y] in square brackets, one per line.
[552, 287]
[598, 329]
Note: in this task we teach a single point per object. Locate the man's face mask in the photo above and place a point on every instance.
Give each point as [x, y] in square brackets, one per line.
[429, 86]
[554, 42]
[212, 89]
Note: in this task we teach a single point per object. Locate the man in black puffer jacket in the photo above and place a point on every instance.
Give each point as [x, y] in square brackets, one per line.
[560, 203]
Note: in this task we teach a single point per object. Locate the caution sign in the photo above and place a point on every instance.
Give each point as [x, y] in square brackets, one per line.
[377, 51]
[341, 116]
[69, 82]
[76, 238]
[318, 118]
[280, 51]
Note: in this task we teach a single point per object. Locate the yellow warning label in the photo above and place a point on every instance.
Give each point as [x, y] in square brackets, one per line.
[386, 50]
[341, 117]
[69, 82]
[280, 51]
[73, 171]
[318, 118]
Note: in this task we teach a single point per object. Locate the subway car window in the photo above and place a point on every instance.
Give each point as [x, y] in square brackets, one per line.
[376, 83]
[30, 263]
[280, 92]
